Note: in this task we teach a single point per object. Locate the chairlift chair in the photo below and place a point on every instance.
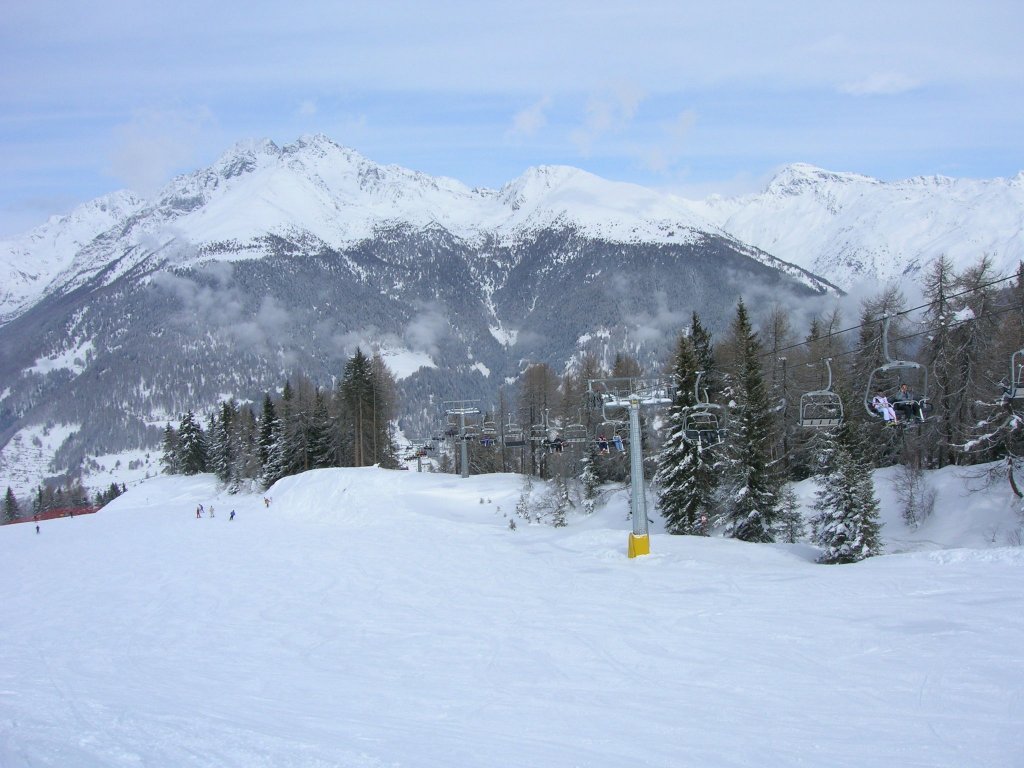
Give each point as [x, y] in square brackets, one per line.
[514, 437]
[574, 434]
[607, 432]
[1015, 391]
[821, 407]
[891, 374]
[703, 422]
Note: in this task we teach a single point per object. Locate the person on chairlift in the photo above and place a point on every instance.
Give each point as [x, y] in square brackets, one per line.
[881, 404]
[906, 405]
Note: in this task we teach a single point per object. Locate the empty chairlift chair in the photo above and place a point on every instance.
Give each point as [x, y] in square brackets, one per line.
[514, 436]
[704, 422]
[1015, 389]
[821, 408]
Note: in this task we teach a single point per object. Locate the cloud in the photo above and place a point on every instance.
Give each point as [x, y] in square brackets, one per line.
[610, 112]
[661, 155]
[155, 144]
[529, 121]
[427, 329]
[881, 84]
[659, 323]
[307, 108]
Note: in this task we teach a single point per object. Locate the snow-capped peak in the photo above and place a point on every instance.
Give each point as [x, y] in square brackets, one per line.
[795, 178]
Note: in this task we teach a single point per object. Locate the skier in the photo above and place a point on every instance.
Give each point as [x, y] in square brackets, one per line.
[618, 443]
[232, 515]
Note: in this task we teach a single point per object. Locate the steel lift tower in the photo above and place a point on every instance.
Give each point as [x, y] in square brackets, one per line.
[631, 395]
[462, 409]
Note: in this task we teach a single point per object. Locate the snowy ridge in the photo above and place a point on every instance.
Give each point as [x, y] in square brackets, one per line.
[850, 227]
[28, 263]
[316, 190]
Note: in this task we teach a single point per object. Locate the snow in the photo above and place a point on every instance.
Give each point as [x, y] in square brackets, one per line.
[853, 228]
[71, 359]
[404, 362]
[27, 456]
[379, 618]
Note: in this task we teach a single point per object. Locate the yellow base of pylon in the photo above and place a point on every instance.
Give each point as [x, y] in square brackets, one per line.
[639, 545]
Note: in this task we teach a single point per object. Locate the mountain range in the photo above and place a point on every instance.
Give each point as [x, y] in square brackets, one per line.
[120, 315]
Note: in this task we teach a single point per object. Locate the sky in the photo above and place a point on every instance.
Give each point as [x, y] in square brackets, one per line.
[370, 618]
[696, 98]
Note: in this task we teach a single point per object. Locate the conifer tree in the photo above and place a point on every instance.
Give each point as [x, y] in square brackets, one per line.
[357, 393]
[846, 523]
[11, 510]
[269, 433]
[222, 449]
[754, 501]
[686, 479]
[192, 445]
[321, 437]
[171, 457]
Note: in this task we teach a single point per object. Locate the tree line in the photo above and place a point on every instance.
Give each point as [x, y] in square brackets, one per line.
[963, 334]
[303, 427]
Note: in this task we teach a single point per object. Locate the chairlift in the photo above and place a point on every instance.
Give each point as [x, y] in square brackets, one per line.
[890, 376]
[539, 431]
[610, 435]
[514, 437]
[1015, 391]
[575, 433]
[821, 407]
[703, 421]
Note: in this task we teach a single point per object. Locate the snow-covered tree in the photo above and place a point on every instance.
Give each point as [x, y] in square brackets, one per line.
[191, 445]
[846, 524]
[171, 456]
[753, 502]
[687, 478]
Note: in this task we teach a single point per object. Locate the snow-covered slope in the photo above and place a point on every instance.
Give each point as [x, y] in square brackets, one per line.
[29, 263]
[849, 228]
[369, 618]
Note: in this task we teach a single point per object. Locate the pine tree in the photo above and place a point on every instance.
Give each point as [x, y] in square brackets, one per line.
[687, 478]
[846, 523]
[11, 510]
[192, 445]
[171, 458]
[753, 506]
[321, 435]
[222, 449]
[358, 400]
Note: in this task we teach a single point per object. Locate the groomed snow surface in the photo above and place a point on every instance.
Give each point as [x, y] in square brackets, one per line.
[372, 618]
